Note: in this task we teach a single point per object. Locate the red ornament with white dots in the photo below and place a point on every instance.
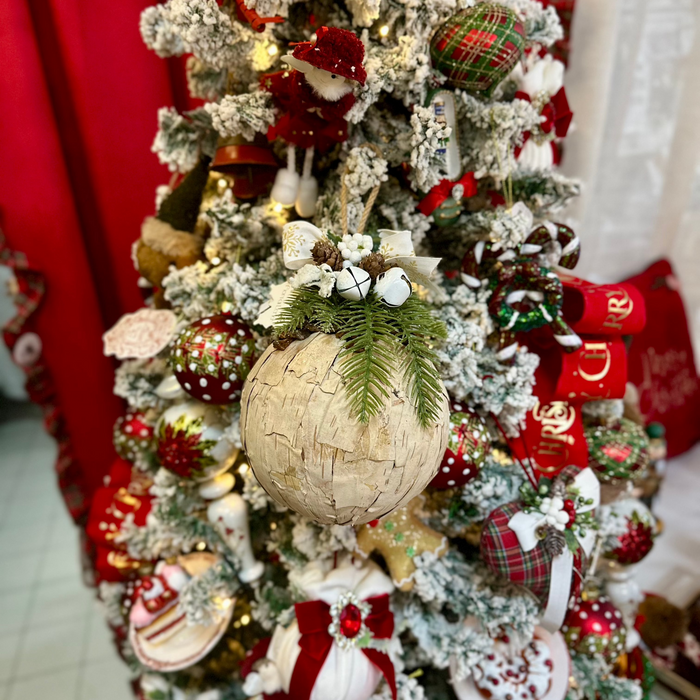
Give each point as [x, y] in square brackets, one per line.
[466, 451]
[132, 434]
[211, 358]
[595, 626]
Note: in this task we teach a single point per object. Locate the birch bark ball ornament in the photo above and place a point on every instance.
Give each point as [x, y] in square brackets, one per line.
[540, 671]
[132, 434]
[212, 357]
[617, 452]
[468, 445]
[478, 47]
[595, 626]
[191, 443]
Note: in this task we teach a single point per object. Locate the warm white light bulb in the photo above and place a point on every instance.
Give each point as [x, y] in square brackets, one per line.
[384, 30]
[273, 50]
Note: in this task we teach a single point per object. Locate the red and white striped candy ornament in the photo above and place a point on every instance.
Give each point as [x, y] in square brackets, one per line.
[557, 242]
[467, 447]
[211, 358]
[132, 433]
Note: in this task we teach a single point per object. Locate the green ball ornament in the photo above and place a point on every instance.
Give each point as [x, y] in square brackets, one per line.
[618, 452]
[478, 47]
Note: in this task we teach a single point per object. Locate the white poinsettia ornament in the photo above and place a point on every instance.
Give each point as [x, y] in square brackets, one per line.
[336, 647]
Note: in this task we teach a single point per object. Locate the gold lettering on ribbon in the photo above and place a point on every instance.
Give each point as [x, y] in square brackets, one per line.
[592, 352]
[619, 308]
[556, 419]
[122, 561]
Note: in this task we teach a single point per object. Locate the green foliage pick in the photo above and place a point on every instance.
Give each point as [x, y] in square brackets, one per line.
[377, 340]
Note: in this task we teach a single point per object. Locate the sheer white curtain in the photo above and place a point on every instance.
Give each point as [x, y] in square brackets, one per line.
[634, 86]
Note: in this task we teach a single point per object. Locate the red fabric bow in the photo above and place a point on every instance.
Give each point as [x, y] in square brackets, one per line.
[443, 190]
[313, 618]
[558, 116]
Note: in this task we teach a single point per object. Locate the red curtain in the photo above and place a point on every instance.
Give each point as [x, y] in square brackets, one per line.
[79, 94]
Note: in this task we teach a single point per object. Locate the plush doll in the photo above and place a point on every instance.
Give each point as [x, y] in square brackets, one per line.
[168, 239]
[313, 98]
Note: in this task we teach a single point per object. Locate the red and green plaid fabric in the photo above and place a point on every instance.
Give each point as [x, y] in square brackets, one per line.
[478, 47]
[501, 551]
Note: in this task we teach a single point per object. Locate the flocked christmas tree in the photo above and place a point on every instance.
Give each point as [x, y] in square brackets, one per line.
[366, 389]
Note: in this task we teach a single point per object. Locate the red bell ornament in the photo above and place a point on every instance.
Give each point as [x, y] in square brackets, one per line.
[211, 358]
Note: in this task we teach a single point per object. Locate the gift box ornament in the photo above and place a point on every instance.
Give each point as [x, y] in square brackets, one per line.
[335, 648]
[536, 542]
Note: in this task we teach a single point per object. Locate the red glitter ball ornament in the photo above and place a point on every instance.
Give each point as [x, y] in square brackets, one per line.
[211, 358]
[595, 626]
[466, 450]
[350, 620]
[132, 434]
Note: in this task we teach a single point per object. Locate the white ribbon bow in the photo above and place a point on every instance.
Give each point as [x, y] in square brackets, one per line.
[525, 526]
[299, 238]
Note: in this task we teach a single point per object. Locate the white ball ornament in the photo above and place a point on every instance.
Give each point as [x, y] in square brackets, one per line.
[393, 287]
[353, 282]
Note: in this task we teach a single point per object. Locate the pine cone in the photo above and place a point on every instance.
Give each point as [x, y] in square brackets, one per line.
[554, 542]
[374, 263]
[325, 253]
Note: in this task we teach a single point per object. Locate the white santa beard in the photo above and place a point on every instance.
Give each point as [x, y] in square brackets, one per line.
[345, 675]
[328, 90]
[536, 156]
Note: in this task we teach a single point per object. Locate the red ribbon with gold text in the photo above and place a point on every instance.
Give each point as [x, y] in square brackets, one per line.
[313, 618]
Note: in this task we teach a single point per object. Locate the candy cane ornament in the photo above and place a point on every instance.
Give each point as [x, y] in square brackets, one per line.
[557, 242]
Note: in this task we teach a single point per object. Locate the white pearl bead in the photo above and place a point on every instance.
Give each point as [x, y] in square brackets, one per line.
[355, 257]
[345, 253]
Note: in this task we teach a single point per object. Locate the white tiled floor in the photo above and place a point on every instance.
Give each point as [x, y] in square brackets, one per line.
[54, 643]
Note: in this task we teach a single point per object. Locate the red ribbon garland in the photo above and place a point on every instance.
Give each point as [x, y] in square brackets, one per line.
[313, 618]
[443, 191]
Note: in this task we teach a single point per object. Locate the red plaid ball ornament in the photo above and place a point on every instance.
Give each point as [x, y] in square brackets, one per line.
[467, 447]
[532, 567]
[478, 47]
[211, 358]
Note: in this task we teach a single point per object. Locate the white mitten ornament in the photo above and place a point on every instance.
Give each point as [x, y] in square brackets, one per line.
[335, 649]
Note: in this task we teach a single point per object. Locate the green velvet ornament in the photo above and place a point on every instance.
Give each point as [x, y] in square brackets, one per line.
[478, 47]
[447, 213]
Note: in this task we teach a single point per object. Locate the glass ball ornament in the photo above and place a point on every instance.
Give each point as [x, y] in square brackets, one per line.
[620, 451]
[191, 443]
[211, 358]
[595, 626]
[468, 445]
[637, 540]
[132, 434]
[478, 47]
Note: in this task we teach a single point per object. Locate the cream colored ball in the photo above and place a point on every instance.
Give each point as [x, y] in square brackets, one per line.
[312, 456]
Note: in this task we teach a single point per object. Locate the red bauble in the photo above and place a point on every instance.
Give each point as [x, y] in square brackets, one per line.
[595, 626]
[350, 620]
[635, 544]
[466, 450]
[212, 357]
[132, 434]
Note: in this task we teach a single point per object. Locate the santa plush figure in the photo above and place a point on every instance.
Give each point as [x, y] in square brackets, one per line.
[313, 97]
[336, 647]
[542, 84]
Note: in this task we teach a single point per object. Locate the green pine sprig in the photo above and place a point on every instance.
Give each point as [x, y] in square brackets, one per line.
[377, 340]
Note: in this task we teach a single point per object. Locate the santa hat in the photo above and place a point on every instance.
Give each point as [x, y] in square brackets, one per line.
[335, 50]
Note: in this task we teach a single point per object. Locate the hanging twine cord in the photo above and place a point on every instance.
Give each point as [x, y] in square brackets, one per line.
[370, 202]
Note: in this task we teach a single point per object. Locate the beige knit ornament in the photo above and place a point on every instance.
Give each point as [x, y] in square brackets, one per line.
[310, 453]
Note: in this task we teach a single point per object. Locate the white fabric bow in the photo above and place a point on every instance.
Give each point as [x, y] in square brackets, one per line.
[525, 526]
[299, 238]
